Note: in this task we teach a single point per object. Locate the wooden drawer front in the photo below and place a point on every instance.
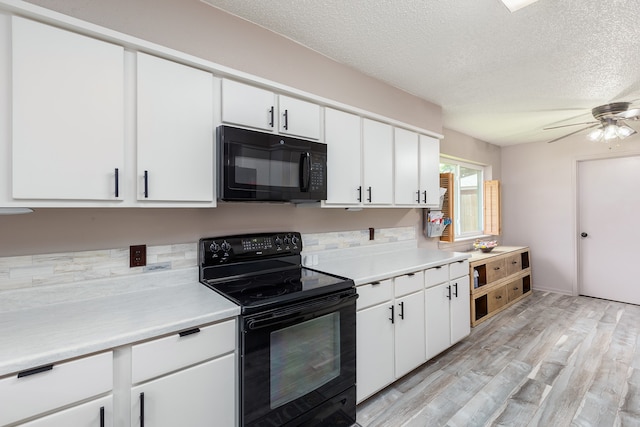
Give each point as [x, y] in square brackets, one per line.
[497, 298]
[158, 357]
[408, 284]
[374, 293]
[459, 269]
[63, 384]
[496, 270]
[514, 264]
[435, 276]
[514, 289]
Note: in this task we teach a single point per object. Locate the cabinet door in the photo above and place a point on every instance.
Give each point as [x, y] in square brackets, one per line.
[430, 171]
[460, 309]
[496, 270]
[248, 105]
[514, 290]
[342, 135]
[377, 149]
[299, 118]
[409, 333]
[496, 298]
[437, 314]
[406, 168]
[197, 397]
[97, 413]
[68, 114]
[374, 355]
[175, 131]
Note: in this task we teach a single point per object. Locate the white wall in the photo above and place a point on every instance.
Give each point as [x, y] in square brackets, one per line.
[539, 204]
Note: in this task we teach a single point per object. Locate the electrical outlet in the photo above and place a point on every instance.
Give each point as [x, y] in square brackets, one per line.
[372, 232]
[137, 256]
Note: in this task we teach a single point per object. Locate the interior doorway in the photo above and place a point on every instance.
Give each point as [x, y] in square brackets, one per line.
[608, 192]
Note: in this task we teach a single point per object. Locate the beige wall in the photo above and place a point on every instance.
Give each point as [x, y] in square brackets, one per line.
[465, 147]
[195, 28]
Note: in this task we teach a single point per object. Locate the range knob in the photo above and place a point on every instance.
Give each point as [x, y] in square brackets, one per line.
[214, 247]
[286, 240]
[294, 240]
[226, 246]
[278, 241]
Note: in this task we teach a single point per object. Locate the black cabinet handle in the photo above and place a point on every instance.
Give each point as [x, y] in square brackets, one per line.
[402, 310]
[102, 416]
[34, 371]
[271, 116]
[146, 184]
[360, 193]
[411, 274]
[514, 262]
[425, 195]
[189, 332]
[392, 308]
[369, 199]
[499, 297]
[418, 193]
[286, 119]
[305, 172]
[438, 267]
[117, 178]
[455, 285]
[449, 292]
[141, 409]
[496, 268]
[375, 283]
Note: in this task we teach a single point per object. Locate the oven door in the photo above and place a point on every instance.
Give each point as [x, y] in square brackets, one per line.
[298, 365]
[267, 167]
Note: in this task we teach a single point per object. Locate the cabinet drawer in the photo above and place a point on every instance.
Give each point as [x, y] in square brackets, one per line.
[514, 289]
[435, 276]
[513, 264]
[496, 270]
[33, 391]
[459, 269]
[497, 298]
[160, 356]
[374, 293]
[408, 284]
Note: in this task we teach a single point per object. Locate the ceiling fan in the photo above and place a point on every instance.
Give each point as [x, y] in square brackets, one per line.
[610, 122]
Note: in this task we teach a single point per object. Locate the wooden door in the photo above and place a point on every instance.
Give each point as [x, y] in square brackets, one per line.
[608, 207]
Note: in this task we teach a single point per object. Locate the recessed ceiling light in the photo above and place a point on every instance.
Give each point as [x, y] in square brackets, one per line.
[514, 5]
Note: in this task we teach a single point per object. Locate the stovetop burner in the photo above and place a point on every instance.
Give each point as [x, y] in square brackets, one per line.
[262, 271]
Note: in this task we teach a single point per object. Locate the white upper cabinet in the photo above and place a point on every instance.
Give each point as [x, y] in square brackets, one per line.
[67, 112]
[429, 171]
[247, 105]
[377, 154]
[175, 142]
[342, 135]
[258, 108]
[299, 118]
[406, 168]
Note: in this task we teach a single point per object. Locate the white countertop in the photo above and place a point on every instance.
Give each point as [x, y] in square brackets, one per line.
[54, 323]
[378, 266]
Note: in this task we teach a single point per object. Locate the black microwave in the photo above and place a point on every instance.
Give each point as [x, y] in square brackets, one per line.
[260, 166]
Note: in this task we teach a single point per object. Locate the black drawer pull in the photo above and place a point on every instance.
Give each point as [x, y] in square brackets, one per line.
[189, 332]
[34, 371]
[499, 297]
[411, 274]
[496, 268]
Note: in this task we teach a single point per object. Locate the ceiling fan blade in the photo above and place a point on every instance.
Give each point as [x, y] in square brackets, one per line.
[572, 124]
[573, 133]
[633, 113]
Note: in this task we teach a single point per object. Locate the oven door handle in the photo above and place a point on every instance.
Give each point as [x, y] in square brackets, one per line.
[299, 310]
[305, 171]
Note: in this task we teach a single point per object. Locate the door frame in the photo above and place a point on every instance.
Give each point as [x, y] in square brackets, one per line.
[577, 282]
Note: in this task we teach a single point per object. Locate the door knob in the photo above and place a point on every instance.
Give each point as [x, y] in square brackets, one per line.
[583, 234]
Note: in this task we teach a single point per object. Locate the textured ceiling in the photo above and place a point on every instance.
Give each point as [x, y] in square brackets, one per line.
[499, 76]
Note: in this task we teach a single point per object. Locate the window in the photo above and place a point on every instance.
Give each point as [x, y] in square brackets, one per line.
[467, 196]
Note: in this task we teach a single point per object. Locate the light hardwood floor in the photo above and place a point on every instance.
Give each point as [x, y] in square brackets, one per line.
[550, 360]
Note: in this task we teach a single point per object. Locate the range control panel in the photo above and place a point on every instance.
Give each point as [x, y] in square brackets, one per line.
[222, 250]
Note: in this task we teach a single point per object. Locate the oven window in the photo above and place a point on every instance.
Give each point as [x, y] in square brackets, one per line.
[304, 357]
[266, 168]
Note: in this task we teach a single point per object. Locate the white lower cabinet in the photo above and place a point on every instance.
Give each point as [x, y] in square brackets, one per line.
[404, 321]
[197, 397]
[187, 378]
[446, 305]
[52, 391]
[390, 332]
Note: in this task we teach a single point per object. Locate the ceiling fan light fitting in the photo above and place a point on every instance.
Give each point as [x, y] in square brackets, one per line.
[624, 131]
[610, 132]
[596, 134]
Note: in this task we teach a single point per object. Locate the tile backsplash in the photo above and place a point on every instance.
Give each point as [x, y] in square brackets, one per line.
[62, 268]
